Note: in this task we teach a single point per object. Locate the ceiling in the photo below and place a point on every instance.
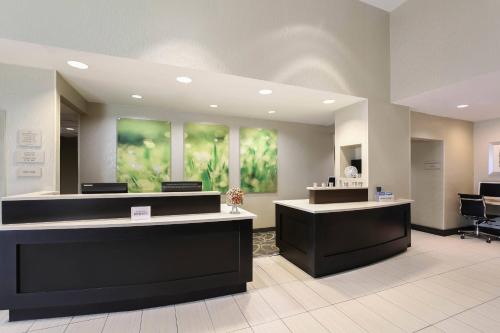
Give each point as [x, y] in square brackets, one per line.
[387, 5]
[113, 80]
[481, 93]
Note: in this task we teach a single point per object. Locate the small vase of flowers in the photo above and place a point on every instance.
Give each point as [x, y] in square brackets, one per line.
[234, 198]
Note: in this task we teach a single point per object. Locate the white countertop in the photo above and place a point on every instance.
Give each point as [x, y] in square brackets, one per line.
[318, 188]
[303, 204]
[56, 196]
[224, 215]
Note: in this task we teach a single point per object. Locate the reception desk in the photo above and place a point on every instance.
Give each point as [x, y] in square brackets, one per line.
[83, 265]
[324, 239]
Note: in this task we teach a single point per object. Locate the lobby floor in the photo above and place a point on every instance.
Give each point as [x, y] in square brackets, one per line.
[438, 285]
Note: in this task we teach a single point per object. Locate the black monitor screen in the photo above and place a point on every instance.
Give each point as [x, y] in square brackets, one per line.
[489, 189]
[186, 186]
[95, 188]
[357, 164]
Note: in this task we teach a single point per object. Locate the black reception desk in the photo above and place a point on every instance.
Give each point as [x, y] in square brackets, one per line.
[324, 239]
[84, 266]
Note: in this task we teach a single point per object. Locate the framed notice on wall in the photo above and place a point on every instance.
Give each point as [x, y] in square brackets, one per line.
[29, 138]
[494, 159]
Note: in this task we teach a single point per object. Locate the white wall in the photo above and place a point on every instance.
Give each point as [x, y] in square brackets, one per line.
[427, 185]
[305, 152]
[437, 43]
[333, 45]
[351, 128]
[28, 96]
[457, 136]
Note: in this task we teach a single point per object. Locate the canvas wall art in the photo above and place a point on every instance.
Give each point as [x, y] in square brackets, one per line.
[206, 155]
[258, 160]
[143, 158]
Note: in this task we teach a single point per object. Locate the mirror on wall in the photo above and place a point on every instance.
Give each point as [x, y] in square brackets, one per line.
[69, 149]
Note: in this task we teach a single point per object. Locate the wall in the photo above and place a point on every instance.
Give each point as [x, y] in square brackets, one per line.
[305, 152]
[351, 128]
[427, 185]
[437, 43]
[333, 45]
[457, 136]
[28, 96]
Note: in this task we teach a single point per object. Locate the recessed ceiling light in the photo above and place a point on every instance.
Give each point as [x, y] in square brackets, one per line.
[214, 106]
[328, 101]
[136, 96]
[271, 112]
[462, 106]
[77, 64]
[184, 79]
[70, 128]
[265, 91]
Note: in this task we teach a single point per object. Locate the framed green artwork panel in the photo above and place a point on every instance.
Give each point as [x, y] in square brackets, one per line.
[206, 155]
[143, 153]
[258, 160]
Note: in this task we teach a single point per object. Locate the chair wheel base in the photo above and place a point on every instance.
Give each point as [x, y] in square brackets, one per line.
[462, 236]
[488, 240]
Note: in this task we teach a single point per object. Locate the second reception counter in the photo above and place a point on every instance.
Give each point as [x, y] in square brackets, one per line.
[324, 239]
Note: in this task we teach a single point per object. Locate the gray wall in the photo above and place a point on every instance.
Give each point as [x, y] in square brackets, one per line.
[435, 43]
[305, 152]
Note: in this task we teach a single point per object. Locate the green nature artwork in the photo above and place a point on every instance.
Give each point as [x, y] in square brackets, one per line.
[143, 154]
[206, 155]
[258, 160]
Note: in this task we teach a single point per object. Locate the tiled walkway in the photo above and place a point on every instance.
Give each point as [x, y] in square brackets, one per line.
[438, 285]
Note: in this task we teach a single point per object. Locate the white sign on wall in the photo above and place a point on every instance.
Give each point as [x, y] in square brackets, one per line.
[432, 165]
[29, 138]
[29, 171]
[30, 156]
[494, 158]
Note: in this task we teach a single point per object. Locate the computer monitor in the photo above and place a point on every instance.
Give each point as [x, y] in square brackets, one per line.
[98, 188]
[489, 189]
[185, 186]
[357, 163]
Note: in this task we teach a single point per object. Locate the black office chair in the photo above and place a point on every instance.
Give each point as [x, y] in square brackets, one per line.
[473, 207]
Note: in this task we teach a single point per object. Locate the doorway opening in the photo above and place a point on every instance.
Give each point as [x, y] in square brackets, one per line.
[427, 183]
[69, 150]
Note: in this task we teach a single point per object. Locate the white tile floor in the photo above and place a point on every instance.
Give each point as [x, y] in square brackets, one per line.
[438, 285]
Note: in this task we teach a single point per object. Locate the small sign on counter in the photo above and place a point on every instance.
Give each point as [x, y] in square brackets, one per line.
[140, 213]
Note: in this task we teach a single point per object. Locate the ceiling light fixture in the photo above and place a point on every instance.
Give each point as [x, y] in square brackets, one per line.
[136, 96]
[77, 64]
[214, 106]
[462, 106]
[265, 91]
[70, 129]
[328, 101]
[271, 112]
[184, 79]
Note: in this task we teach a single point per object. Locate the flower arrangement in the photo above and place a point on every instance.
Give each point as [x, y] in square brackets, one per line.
[234, 198]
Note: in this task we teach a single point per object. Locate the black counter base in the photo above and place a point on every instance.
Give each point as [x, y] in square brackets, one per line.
[53, 273]
[79, 310]
[328, 243]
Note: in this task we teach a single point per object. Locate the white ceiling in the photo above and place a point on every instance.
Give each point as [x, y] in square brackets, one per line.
[112, 80]
[481, 93]
[387, 5]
